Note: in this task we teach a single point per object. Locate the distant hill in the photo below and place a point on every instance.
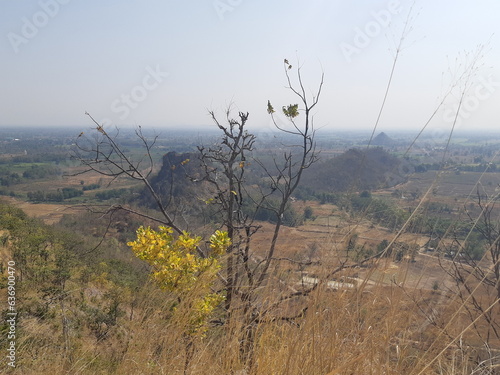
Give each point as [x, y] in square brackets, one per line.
[356, 169]
[173, 178]
[383, 139]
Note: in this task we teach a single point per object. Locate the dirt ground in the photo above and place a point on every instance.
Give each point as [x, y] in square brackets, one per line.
[321, 238]
[49, 213]
[325, 236]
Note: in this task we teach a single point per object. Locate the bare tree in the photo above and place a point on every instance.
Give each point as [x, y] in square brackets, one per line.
[104, 155]
[224, 169]
[225, 165]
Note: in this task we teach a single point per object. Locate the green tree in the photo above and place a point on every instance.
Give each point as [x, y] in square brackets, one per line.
[308, 213]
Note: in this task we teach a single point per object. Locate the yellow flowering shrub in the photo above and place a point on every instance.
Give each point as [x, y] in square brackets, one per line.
[219, 242]
[178, 267]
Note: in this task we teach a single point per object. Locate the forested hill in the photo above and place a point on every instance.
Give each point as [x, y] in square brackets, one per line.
[356, 169]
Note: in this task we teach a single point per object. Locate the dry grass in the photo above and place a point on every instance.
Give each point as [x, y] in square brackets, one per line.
[392, 323]
[376, 329]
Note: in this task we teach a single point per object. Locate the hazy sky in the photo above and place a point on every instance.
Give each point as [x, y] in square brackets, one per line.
[164, 63]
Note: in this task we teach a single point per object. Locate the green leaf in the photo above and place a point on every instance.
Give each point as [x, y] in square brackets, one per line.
[270, 108]
[291, 111]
